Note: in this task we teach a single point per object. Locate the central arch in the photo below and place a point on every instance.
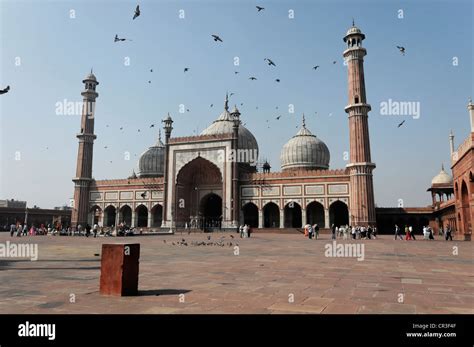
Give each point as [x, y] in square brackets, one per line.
[125, 215]
[338, 214]
[195, 181]
[250, 212]
[293, 215]
[110, 213]
[315, 214]
[142, 216]
[210, 211]
[271, 215]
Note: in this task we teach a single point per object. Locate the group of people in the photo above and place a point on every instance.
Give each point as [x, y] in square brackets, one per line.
[244, 231]
[20, 229]
[409, 233]
[344, 231]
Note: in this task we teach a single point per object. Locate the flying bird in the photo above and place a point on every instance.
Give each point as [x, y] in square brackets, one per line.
[121, 128]
[4, 91]
[236, 72]
[315, 67]
[334, 62]
[105, 147]
[259, 8]
[399, 125]
[116, 39]
[151, 70]
[278, 118]
[401, 49]
[277, 80]
[152, 125]
[211, 105]
[269, 61]
[252, 78]
[138, 130]
[143, 195]
[186, 69]
[149, 81]
[137, 12]
[217, 38]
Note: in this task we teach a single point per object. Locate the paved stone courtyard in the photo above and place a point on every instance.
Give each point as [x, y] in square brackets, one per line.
[272, 274]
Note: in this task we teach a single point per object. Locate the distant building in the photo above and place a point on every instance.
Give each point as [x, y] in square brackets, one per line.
[13, 203]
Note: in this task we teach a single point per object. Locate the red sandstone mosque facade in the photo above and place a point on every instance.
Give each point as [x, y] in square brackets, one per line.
[211, 180]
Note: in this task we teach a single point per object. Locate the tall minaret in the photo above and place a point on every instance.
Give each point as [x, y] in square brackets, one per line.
[362, 205]
[84, 155]
[451, 142]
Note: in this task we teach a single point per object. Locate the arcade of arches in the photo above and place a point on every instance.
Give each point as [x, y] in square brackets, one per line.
[140, 217]
[293, 216]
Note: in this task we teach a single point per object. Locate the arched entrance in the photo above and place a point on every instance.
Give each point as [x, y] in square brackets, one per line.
[210, 211]
[157, 216]
[338, 214]
[109, 216]
[293, 215]
[250, 212]
[141, 216]
[271, 215]
[315, 214]
[195, 181]
[126, 215]
[96, 213]
[465, 209]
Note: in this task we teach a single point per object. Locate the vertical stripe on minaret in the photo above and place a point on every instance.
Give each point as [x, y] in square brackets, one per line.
[86, 138]
[362, 204]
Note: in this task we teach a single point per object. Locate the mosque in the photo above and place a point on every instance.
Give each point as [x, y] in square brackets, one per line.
[200, 182]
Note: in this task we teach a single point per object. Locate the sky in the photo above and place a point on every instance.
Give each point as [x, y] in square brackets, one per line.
[48, 47]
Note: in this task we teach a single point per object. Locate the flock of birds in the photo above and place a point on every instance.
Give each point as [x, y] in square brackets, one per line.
[221, 242]
[218, 39]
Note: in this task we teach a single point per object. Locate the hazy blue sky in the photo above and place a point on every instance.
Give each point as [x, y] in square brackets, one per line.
[57, 51]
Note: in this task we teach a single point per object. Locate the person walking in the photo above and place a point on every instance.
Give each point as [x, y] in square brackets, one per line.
[241, 231]
[88, 230]
[407, 233]
[333, 230]
[310, 232]
[412, 233]
[316, 231]
[95, 229]
[246, 231]
[12, 229]
[448, 234]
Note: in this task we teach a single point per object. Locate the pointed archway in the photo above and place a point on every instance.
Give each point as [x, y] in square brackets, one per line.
[271, 215]
[293, 215]
[210, 211]
[338, 214]
[194, 181]
[315, 214]
[250, 212]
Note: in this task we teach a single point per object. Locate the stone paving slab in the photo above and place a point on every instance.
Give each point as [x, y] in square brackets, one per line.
[270, 270]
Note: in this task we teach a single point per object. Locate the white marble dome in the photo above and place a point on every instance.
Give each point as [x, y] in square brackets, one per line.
[152, 161]
[304, 151]
[442, 178]
[224, 124]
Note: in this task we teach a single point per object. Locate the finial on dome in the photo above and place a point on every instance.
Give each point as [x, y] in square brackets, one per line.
[442, 166]
[304, 122]
[353, 23]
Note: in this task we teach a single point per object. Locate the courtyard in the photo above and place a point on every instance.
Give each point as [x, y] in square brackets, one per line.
[267, 273]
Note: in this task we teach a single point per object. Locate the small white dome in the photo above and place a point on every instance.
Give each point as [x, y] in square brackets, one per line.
[442, 178]
[304, 151]
[152, 161]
